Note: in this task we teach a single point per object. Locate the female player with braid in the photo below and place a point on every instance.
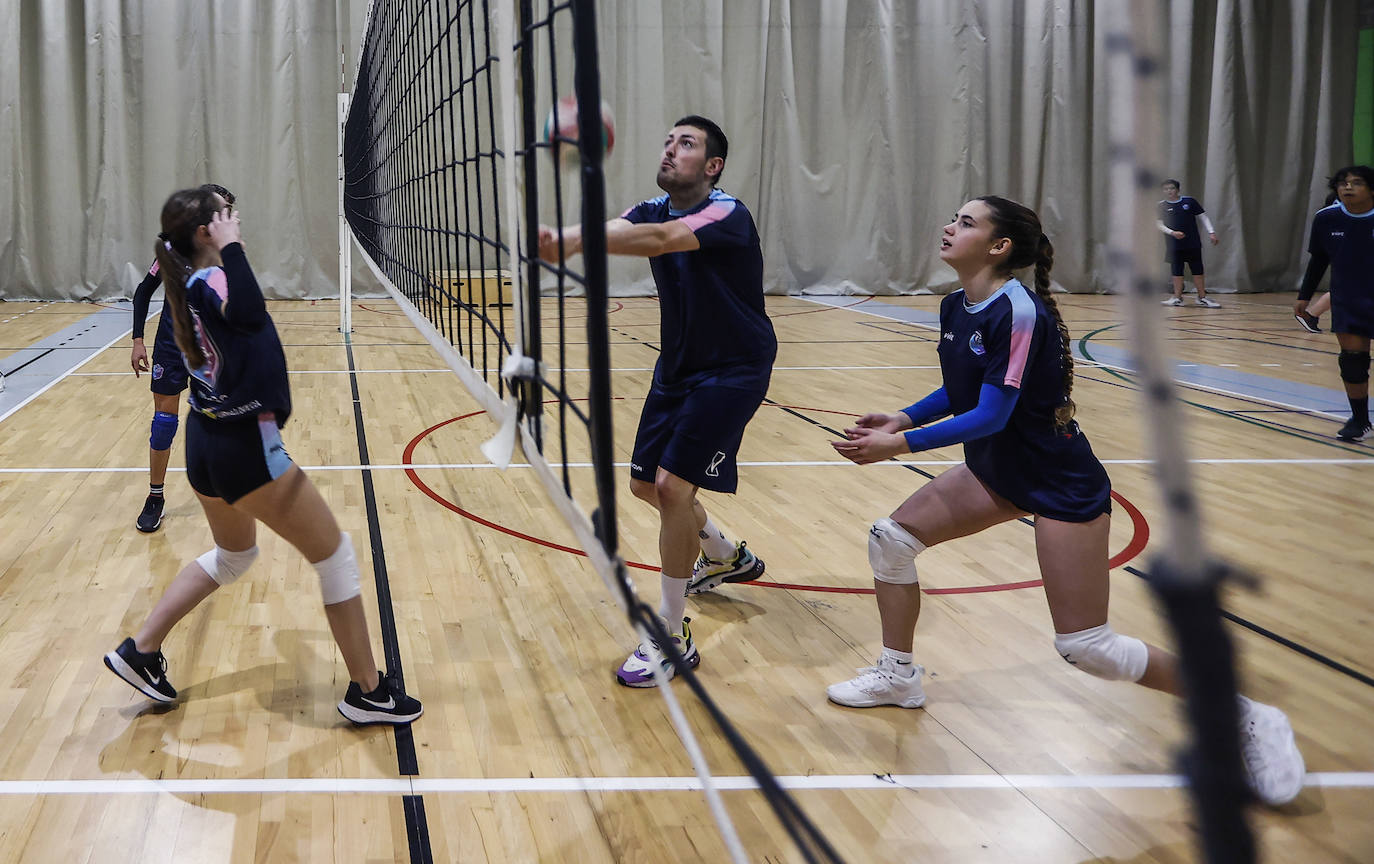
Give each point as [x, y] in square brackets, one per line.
[236, 462]
[167, 379]
[1007, 377]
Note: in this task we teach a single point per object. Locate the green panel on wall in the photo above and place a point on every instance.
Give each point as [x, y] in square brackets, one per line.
[1363, 137]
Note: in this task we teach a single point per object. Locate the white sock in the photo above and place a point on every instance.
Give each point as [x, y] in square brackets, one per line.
[673, 606]
[714, 542]
[902, 659]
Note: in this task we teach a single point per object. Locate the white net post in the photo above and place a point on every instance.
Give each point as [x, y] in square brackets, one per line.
[345, 250]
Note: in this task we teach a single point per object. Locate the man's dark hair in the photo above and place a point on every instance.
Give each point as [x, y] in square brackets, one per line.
[1172, 182]
[716, 142]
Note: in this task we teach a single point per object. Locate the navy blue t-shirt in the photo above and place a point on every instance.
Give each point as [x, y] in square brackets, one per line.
[244, 374]
[1344, 241]
[713, 322]
[1181, 215]
[1011, 340]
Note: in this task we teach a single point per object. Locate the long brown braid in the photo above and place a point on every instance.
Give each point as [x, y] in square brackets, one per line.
[1030, 246]
[184, 212]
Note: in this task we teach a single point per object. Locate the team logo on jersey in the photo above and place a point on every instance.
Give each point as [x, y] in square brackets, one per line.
[975, 343]
[713, 469]
[1185, 206]
[157, 371]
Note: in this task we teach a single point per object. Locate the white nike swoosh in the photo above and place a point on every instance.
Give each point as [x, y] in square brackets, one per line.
[388, 704]
[154, 680]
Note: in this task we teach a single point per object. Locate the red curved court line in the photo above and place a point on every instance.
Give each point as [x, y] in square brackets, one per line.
[825, 309]
[1140, 533]
[368, 308]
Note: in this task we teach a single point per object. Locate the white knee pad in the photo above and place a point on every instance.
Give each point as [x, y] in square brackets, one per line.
[339, 573]
[1103, 652]
[224, 566]
[892, 552]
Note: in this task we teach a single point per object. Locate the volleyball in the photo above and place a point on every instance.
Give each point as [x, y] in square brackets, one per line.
[561, 126]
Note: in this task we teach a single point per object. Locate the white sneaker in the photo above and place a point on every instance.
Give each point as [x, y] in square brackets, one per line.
[1208, 302]
[878, 685]
[1273, 765]
[638, 670]
[1173, 301]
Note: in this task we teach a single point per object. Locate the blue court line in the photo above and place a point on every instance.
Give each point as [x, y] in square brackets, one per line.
[31, 371]
[1287, 394]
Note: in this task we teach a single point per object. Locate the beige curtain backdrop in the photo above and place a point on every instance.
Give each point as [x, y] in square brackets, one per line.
[856, 126]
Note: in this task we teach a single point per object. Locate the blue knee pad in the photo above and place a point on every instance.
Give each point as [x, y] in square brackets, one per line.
[164, 430]
[1354, 366]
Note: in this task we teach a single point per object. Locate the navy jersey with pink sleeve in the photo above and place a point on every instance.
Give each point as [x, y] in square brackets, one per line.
[1010, 340]
[713, 322]
[244, 373]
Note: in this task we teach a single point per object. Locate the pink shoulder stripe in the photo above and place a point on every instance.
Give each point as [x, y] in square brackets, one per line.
[1022, 328]
[717, 211]
[218, 283]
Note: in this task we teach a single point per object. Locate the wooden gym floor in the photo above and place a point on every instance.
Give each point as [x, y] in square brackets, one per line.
[529, 752]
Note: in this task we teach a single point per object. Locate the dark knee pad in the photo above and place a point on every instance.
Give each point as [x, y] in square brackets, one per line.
[1354, 366]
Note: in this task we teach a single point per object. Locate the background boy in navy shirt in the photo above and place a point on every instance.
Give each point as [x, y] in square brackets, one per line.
[1178, 219]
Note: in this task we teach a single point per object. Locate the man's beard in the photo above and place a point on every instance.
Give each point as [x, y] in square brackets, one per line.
[672, 184]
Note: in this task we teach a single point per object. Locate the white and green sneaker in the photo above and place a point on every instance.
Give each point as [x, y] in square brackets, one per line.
[708, 573]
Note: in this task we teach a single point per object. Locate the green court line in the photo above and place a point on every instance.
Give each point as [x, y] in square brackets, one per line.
[1130, 379]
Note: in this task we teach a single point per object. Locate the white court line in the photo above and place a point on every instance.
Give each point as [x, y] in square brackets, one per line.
[291, 372]
[488, 785]
[819, 463]
[551, 369]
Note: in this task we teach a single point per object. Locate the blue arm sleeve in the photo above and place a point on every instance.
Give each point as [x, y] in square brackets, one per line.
[933, 406]
[143, 295]
[990, 415]
[245, 306]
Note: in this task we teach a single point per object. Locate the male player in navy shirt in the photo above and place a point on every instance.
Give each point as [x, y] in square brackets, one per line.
[1343, 239]
[711, 375]
[167, 381]
[1178, 219]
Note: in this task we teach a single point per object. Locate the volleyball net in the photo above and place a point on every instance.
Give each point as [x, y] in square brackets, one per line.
[446, 172]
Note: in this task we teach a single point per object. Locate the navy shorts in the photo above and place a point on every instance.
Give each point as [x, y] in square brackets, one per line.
[1355, 317]
[230, 458]
[1061, 479]
[694, 432]
[169, 369]
[1192, 257]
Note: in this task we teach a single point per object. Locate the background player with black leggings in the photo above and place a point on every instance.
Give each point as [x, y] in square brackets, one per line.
[236, 462]
[1342, 238]
[1179, 216]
